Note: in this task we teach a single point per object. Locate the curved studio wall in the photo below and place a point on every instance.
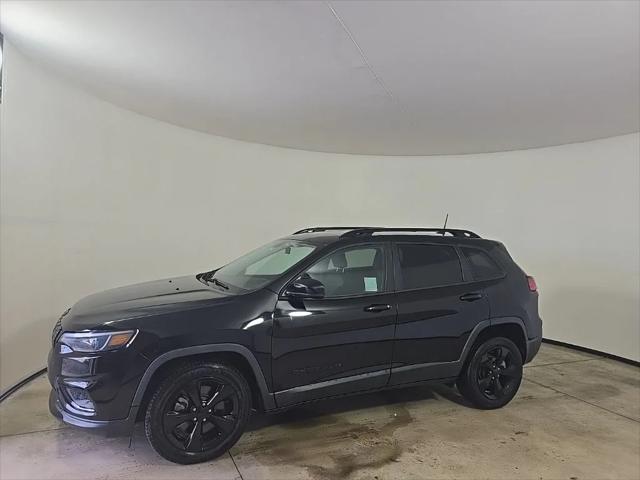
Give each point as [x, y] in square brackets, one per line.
[94, 196]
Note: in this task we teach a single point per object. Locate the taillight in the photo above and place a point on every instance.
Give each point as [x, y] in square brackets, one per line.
[532, 283]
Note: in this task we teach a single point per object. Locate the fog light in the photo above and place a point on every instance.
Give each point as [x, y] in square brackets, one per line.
[80, 399]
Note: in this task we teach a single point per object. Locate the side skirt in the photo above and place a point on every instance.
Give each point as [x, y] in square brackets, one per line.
[332, 388]
[435, 381]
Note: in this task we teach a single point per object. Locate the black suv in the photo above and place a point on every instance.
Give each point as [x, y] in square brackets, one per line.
[324, 312]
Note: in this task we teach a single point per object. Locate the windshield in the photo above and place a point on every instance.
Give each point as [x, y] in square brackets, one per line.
[256, 269]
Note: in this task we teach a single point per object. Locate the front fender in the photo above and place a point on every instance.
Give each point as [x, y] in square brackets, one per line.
[267, 397]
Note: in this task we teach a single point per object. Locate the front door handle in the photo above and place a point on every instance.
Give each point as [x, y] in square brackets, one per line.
[377, 308]
[471, 297]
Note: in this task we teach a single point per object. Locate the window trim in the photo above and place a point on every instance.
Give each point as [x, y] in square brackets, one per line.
[398, 271]
[389, 284]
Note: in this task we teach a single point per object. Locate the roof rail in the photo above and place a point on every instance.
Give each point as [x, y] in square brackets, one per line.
[322, 229]
[441, 231]
[357, 231]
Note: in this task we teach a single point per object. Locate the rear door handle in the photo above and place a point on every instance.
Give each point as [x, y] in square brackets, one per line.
[377, 308]
[471, 297]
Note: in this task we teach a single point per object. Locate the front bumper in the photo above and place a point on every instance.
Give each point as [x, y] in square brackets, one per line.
[114, 427]
[107, 383]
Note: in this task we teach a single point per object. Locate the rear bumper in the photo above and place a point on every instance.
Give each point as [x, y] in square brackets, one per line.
[533, 345]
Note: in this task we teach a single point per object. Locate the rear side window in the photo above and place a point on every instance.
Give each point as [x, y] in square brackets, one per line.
[423, 266]
[482, 265]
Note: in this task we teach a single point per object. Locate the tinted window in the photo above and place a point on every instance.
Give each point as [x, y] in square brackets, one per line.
[423, 266]
[351, 271]
[257, 268]
[279, 261]
[482, 266]
[361, 257]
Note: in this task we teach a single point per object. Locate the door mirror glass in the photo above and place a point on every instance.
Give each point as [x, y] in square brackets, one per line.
[305, 287]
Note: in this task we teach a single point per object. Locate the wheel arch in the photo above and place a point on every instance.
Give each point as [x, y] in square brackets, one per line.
[508, 327]
[238, 355]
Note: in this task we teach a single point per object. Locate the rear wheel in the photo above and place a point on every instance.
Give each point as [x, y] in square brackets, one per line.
[493, 373]
[198, 412]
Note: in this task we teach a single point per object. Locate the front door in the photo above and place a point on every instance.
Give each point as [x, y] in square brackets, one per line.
[341, 343]
[437, 311]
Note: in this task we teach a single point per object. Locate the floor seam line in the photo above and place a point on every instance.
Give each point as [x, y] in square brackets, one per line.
[582, 400]
[235, 464]
[564, 363]
[35, 431]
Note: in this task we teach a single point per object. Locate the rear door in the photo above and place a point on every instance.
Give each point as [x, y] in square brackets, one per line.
[343, 342]
[437, 311]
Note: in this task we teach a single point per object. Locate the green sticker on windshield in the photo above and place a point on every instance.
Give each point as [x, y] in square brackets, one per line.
[370, 284]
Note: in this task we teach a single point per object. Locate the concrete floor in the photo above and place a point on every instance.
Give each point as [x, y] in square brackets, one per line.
[577, 416]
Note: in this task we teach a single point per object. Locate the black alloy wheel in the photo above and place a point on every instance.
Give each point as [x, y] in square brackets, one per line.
[497, 372]
[201, 414]
[198, 412]
[493, 373]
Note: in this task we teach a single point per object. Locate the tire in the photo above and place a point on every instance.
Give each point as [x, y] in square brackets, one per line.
[198, 412]
[492, 374]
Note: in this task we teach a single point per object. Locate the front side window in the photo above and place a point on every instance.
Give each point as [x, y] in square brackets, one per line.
[351, 271]
[256, 269]
[424, 266]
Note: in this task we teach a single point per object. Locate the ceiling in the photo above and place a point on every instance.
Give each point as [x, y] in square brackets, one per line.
[393, 78]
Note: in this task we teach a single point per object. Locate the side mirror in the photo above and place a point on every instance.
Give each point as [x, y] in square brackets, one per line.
[305, 287]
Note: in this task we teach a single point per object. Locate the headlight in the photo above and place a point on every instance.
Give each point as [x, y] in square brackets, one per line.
[97, 341]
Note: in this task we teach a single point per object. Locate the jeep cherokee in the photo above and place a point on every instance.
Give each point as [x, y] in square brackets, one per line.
[325, 312]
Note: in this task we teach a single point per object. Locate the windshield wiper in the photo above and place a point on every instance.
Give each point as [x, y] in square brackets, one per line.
[219, 283]
[208, 277]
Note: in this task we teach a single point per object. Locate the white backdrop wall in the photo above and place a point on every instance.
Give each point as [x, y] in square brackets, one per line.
[94, 196]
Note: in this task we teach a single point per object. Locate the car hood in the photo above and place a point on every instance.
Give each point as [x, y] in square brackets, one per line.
[106, 308]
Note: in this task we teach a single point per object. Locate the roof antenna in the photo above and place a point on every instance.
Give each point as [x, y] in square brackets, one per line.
[445, 225]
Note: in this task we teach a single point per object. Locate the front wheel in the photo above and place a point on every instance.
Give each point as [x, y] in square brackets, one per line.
[492, 375]
[198, 412]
